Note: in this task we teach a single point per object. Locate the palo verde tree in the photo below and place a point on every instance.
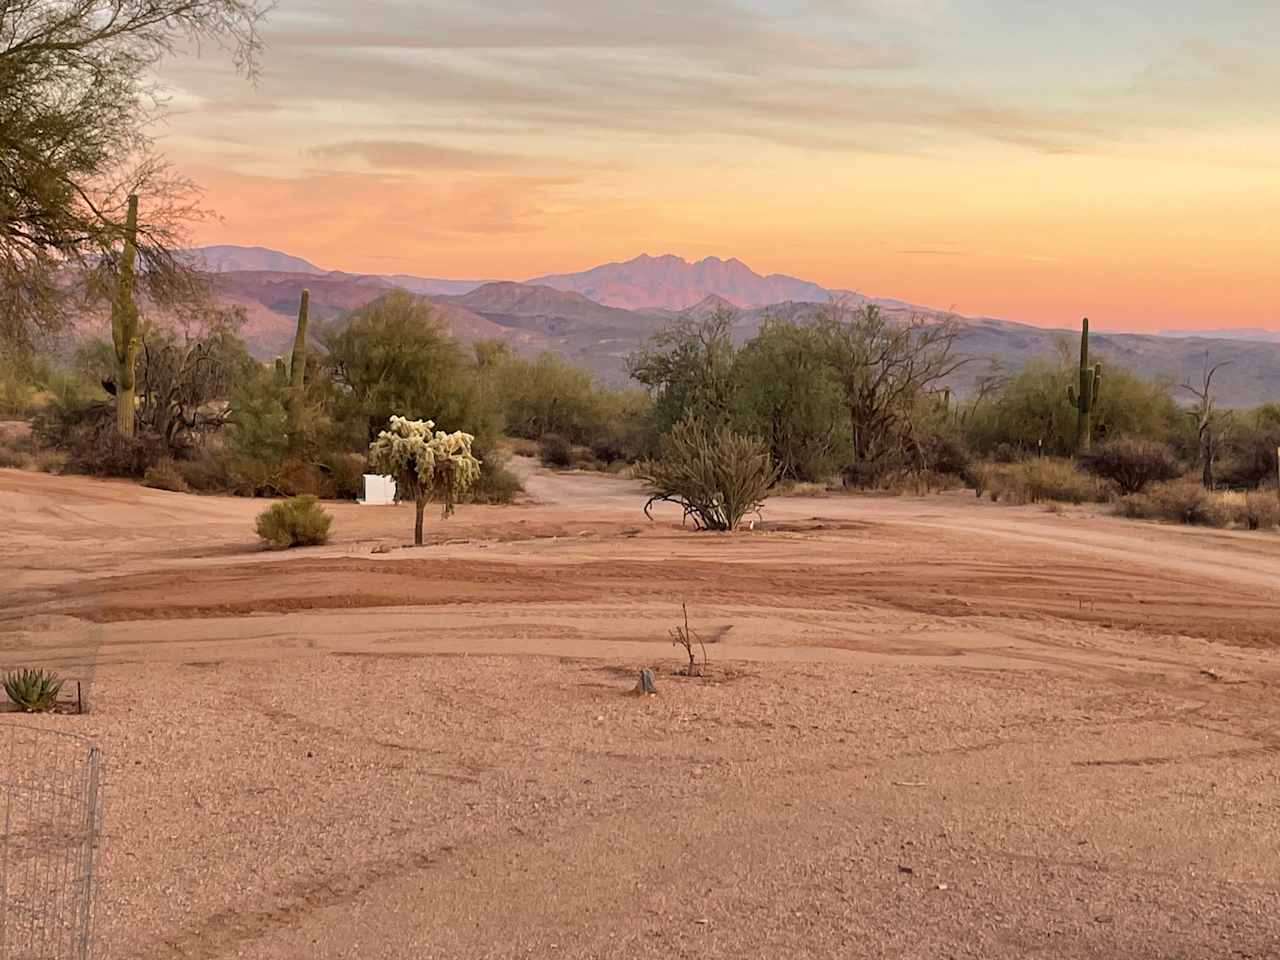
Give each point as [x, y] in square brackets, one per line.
[427, 464]
[688, 369]
[78, 100]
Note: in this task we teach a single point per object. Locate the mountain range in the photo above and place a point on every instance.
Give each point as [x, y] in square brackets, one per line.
[598, 316]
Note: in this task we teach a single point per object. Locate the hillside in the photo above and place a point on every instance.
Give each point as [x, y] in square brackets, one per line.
[228, 258]
[552, 316]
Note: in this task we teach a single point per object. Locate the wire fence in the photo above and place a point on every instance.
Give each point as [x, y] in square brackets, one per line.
[49, 812]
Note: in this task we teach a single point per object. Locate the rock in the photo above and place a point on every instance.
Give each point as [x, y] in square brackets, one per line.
[645, 684]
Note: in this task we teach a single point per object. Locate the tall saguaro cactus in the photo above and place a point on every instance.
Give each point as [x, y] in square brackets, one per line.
[124, 325]
[1085, 396]
[298, 370]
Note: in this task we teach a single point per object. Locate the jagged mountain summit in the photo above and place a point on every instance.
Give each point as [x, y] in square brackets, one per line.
[669, 282]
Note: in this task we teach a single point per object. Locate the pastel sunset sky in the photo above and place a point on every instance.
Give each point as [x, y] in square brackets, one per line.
[1030, 160]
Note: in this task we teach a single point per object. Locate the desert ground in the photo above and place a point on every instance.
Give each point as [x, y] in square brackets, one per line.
[930, 727]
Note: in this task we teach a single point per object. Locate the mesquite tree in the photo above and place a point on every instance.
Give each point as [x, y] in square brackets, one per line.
[426, 464]
[79, 102]
[884, 366]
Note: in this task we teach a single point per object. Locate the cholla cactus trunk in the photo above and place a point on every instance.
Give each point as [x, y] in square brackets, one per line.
[298, 371]
[124, 326]
[1085, 396]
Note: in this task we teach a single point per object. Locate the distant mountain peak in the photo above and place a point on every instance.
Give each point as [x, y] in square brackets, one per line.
[231, 258]
[670, 282]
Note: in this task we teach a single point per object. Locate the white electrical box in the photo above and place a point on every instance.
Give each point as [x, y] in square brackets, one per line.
[378, 490]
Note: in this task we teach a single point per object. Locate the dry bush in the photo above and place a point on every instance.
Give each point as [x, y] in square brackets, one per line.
[165, 475]
[1262, 510]
[522, 447]
[1132, 463]
[297, 522]
[555, 451]
[1186, 501]
[1042, 480]
[48, 461]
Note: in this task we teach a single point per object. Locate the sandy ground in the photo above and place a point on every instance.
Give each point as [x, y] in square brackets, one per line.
[931, 728]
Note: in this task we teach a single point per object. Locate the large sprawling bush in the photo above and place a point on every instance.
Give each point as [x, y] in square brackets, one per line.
[1131, 463]
[716, 476]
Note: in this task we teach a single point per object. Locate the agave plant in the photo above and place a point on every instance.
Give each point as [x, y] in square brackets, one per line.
[34, 691]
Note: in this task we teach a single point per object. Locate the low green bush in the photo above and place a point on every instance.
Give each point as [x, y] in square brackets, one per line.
[297, 522]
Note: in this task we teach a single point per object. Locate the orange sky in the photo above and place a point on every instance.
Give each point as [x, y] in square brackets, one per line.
[955, 153]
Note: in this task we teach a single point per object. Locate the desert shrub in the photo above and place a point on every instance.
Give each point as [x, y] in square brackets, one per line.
[1262, 511]
[717, 476]
[49, 461]
[497, 484]
[555, 450]
[33, 691]
[345, 472]
[523, 447]
[1249, 457]
[208, 471]
[1040, 480]
[1179, 501]
[1131, 463]
[297, 522]
[1049, 479]
[165, 475]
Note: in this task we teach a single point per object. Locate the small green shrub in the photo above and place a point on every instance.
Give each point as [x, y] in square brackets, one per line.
[34, 691]
[555, 451]
[497, 484]
[297, 522]
[165, 475]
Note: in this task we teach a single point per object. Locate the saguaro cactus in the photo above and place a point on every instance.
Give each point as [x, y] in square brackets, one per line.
[1085, 396]
[124, 325]
[298, 362]
[298, 370]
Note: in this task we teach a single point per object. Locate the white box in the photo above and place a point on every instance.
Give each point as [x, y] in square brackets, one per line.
[378, 490]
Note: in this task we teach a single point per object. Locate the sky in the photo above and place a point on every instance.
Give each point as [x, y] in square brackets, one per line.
[1025, 159]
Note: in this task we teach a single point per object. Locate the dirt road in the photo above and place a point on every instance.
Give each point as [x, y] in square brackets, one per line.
[932, 727]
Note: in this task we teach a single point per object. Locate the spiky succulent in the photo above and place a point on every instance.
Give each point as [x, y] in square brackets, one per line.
[34, 691]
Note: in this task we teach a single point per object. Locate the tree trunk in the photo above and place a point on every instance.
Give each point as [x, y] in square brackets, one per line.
[124, 325]
[420, 505]
[1207, 478]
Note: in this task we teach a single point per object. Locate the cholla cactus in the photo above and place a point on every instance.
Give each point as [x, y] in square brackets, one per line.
[426, 464]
